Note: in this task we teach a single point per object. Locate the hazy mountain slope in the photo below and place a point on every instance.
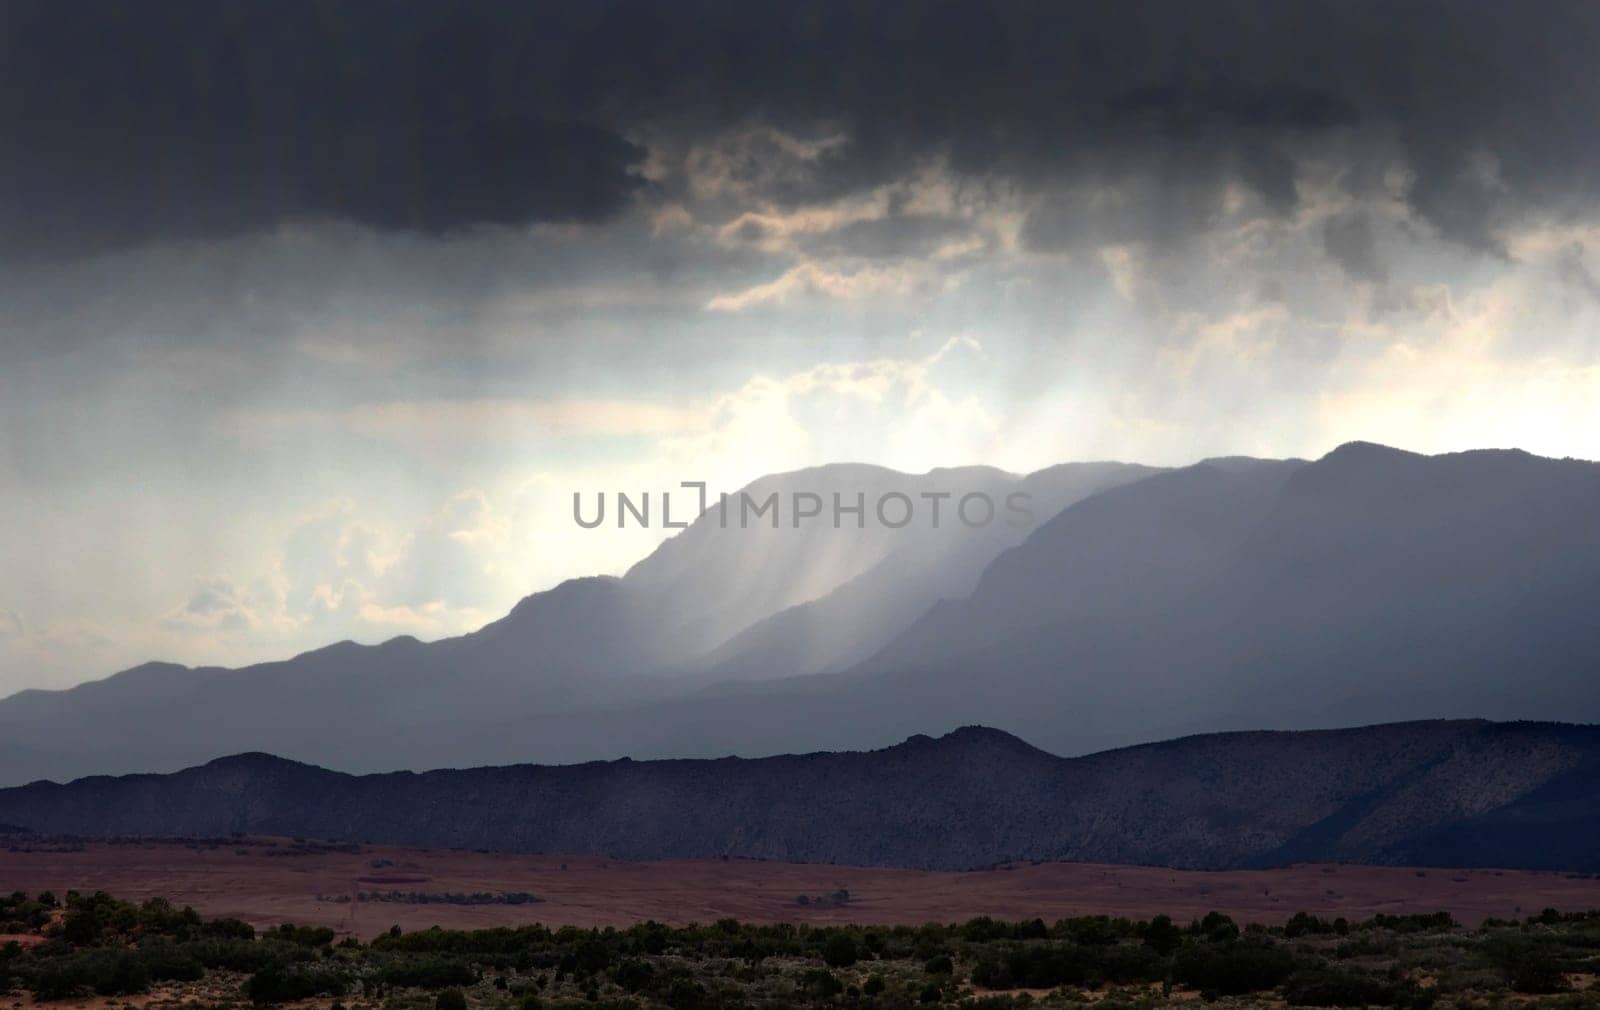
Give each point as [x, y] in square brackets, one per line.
[1415, 793]
[588, 642]
[1369, 584]
[856, 619]
[162, 715]
[719, 576]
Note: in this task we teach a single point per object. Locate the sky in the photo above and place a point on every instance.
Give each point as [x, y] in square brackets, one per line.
[314, 317]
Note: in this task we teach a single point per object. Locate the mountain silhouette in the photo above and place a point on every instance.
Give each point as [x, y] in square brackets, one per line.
[1368, 585]
[1408, 794]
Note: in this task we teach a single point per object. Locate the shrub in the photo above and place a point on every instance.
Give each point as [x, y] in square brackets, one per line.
[107, 971]
[1233, 969]
[1088, 930]
[450, 999]
[1367, 946]
[590, 955]
[1047, 965]
[304, 936]
[229, 929]
[991, 973]
[1217, 928]
[1337, 987]
[243, 955]
[1432, 922]
[819, 984]
[427, 973]
[686, 994]
[282, 983]
[983, 929]
[167, 962]
[633, 975]
[1125, 964]
[1306, 925]
[840, 951]
[1528, 964]
[1162, 935]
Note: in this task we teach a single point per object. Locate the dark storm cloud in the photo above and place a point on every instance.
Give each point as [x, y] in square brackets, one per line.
[893, 237]
[130, 122]
[1187, 106]
[124, 123]
[1176, 198]
[1349, 242]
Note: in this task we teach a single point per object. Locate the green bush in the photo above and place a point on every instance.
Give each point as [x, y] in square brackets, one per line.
[840, 951]
[1162, 935]
[282, 983]
[1338, 987]
[108, 971]
[228, 929]
[427, 973]
[1086, 930]
[1529, 964]
[1048, 965]
[235, 954]
[819, 984]
[590, 955]
[1234, 968]
[1432, 922]
[686, 994]
[1217, 928]
[304, 936]
[165, 961]
[633, 975]
[1302, 924]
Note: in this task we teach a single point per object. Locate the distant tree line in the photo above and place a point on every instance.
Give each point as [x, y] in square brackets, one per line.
[442, 898]
[833, 898]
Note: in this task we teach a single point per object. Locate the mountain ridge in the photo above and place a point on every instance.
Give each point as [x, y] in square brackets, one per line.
[1370, 584]
[1398, 794]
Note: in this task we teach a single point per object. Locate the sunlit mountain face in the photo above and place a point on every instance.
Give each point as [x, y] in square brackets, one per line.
[313, 319]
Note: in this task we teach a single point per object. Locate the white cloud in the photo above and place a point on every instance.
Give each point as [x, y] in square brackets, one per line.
[215, 605]
[812, 279]
[775, 231]
[747, 162]
[890, 410]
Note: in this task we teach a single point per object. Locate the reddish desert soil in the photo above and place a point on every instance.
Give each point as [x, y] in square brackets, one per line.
[247, 881]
